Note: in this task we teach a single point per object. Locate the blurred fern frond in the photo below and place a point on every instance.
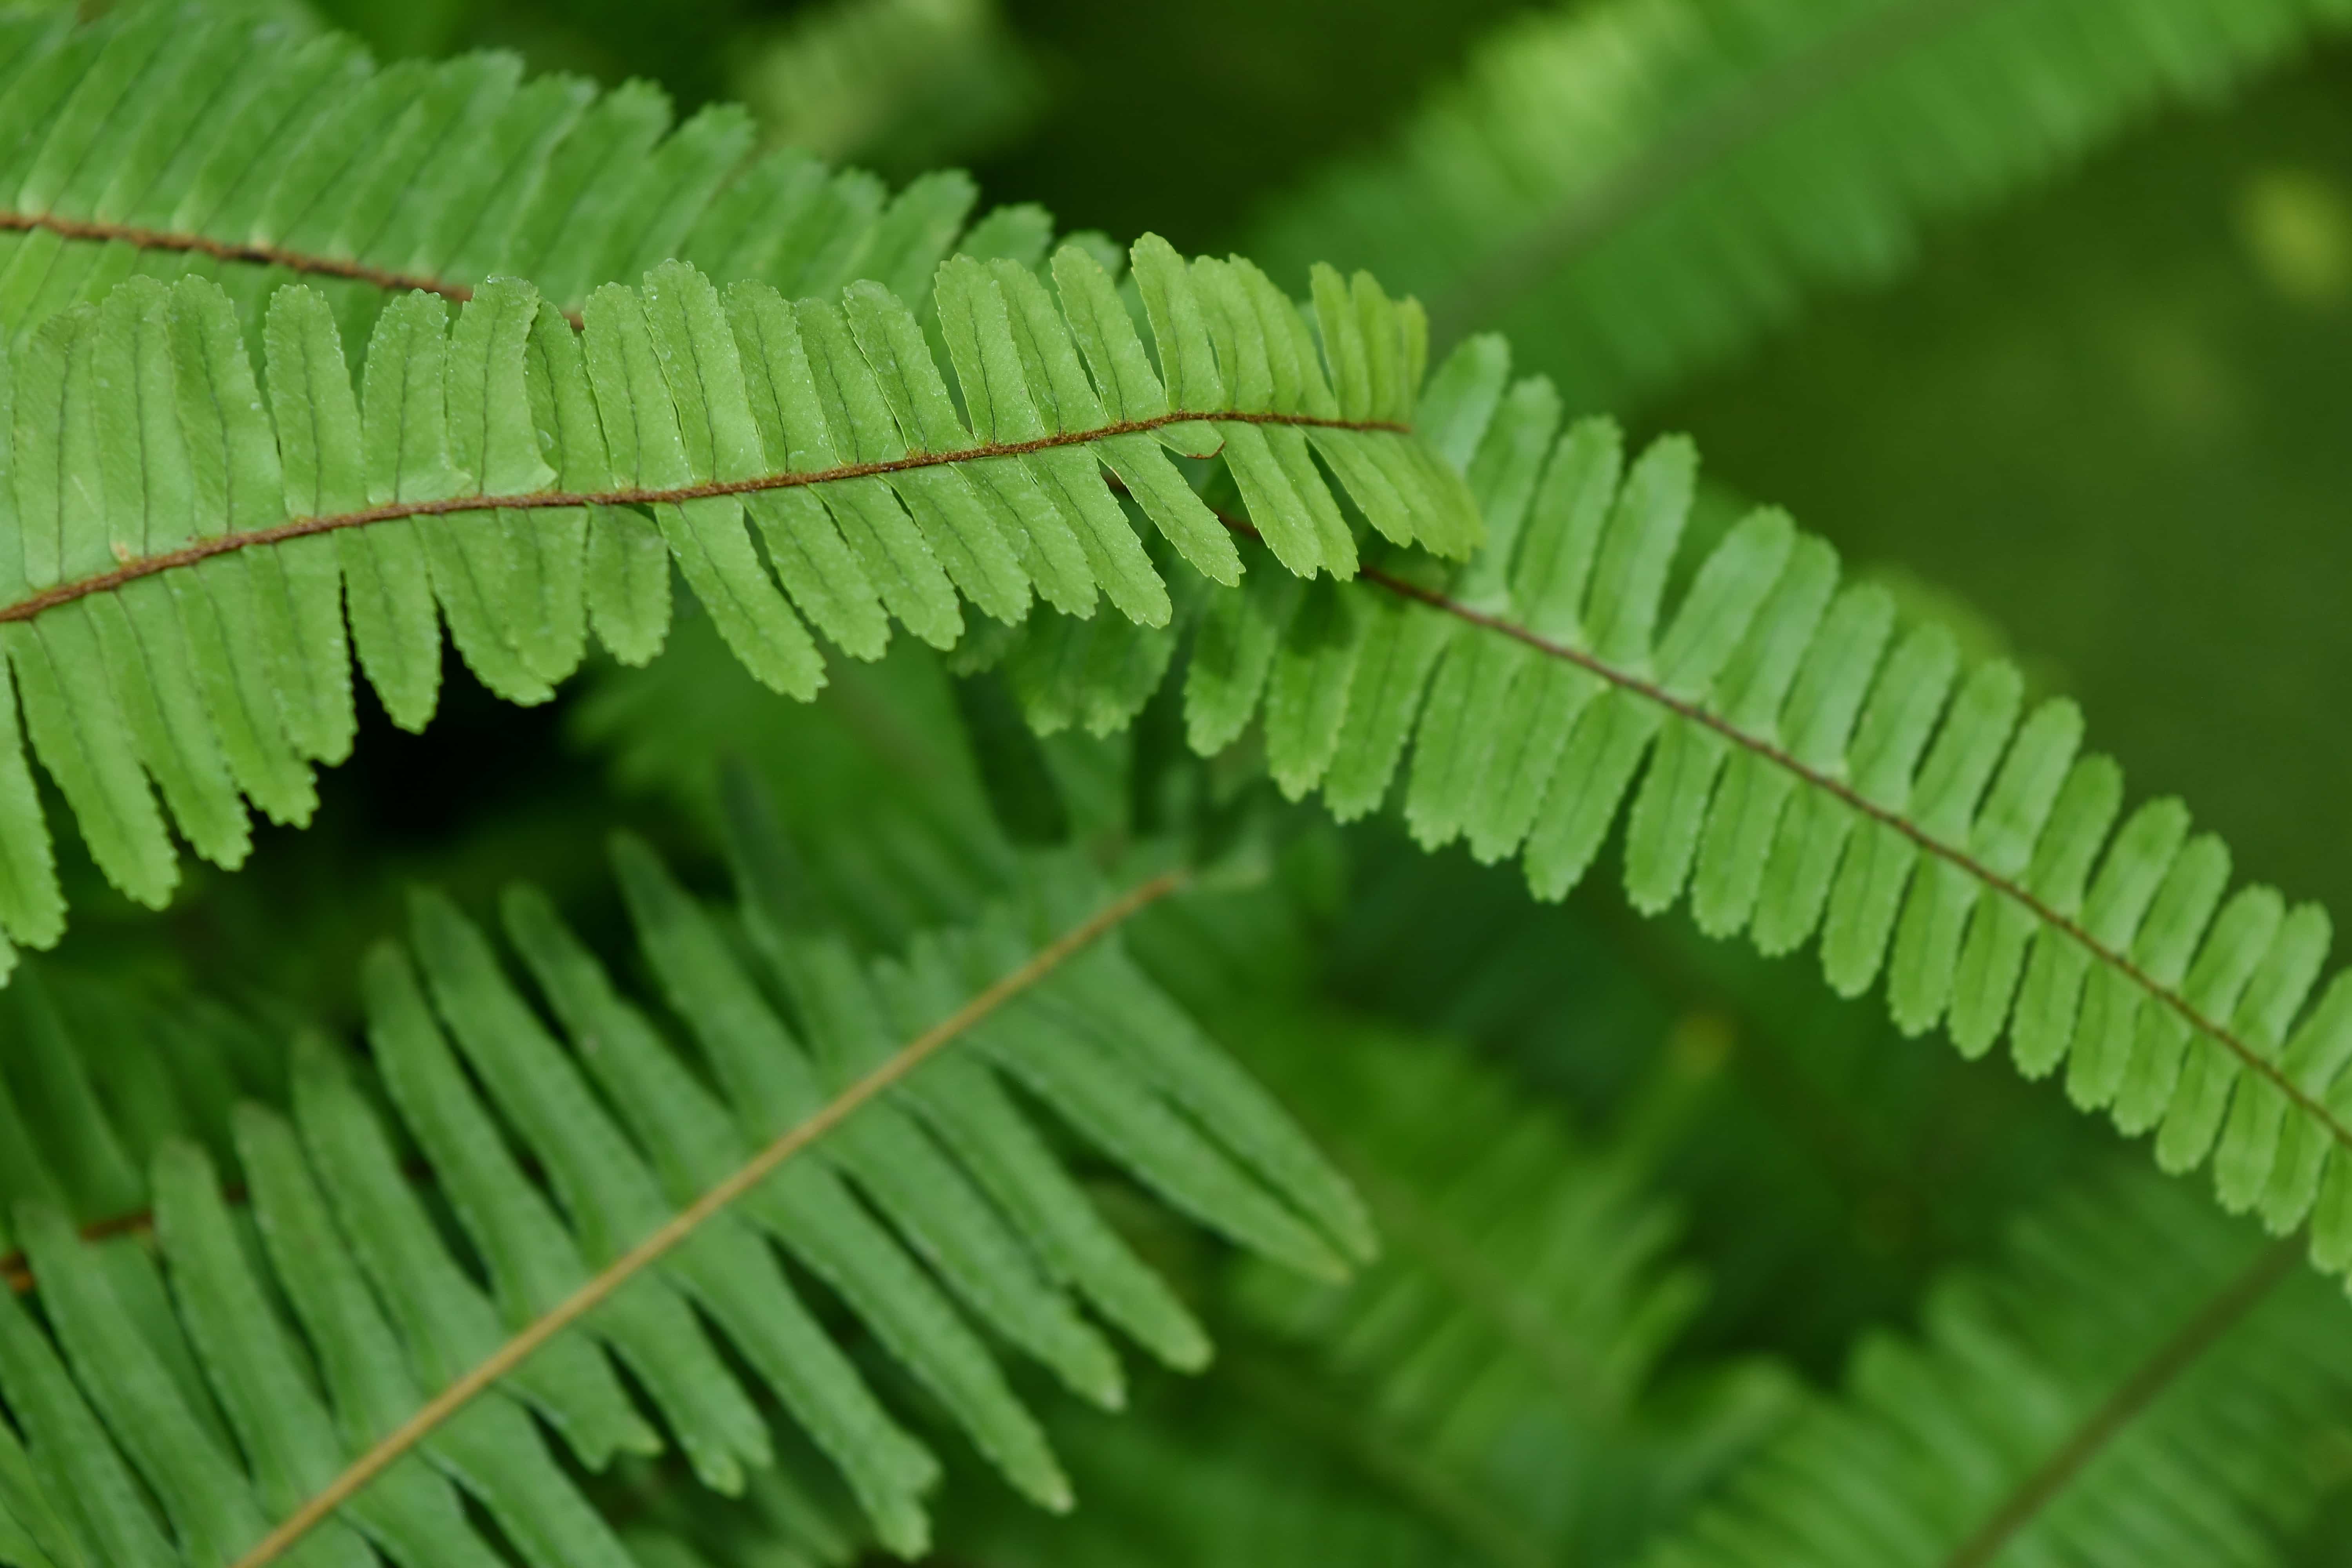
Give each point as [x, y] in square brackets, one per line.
[893, 84]
[1636, 188]
[204, 1393]
[2140, 1382]
[1505, 1347]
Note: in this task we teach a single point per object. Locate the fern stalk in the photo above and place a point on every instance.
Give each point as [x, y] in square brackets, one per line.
[302, 264]
[2229, 1307]
[139, 566]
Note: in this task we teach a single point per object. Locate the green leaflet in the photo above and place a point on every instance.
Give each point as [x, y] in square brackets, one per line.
[616, 1201]
[488, 1449]
[625, 577]
[674, 426]
[31, 1528]
[208, 1392]
[535, 1263]
[78, 1468]
[512, 591]
[255, 1366]
[659, 362]
[290, 596]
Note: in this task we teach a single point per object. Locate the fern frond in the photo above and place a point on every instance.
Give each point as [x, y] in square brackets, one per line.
[660, 1200]
[1524, 1265]
[176, 562]
[1633, 189]
[1526, 1298]
[2141, 1381]
[164, 139]
[1795, 766]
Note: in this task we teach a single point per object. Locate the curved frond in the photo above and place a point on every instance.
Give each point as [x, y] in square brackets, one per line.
[1799, 764]
[1633, 188]
[166, 140]
[2140, 1383]
[929, 1204]
[178, 565]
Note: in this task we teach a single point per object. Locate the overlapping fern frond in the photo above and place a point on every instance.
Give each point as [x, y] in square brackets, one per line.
[1633, 189]
[1505, 1350]
[176, 557]
[933, 1211]
[2141, 1381]
[166, 139]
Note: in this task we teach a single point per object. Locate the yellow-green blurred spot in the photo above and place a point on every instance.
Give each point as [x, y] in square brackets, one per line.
[2297, 229]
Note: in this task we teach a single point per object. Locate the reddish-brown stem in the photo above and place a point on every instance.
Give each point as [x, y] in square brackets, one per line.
[2240, 1296]
[1993, 881]
[131, 570]
[255, 254]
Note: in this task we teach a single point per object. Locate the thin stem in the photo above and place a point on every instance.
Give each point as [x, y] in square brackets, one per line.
[2175, 1356]
[683, 1225]
[16, 1269]
[222, 250]
[136, 567]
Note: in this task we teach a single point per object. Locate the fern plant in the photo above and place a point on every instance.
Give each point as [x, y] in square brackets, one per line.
[681, 1229]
